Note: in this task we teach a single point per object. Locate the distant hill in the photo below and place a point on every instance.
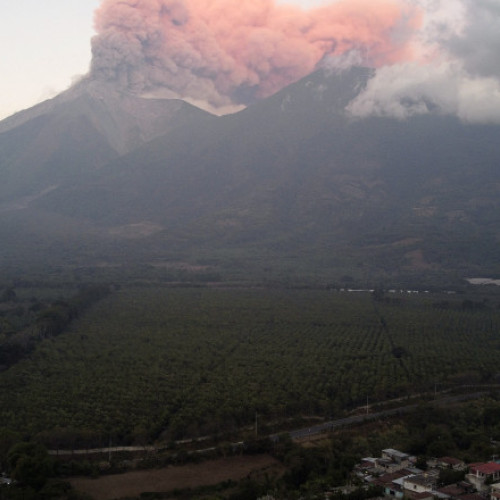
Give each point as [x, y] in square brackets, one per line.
[290, 189]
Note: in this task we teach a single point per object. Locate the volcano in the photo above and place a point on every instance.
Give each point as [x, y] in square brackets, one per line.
[292, 188]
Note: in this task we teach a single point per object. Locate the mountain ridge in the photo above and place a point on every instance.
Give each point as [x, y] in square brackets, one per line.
[101, 102]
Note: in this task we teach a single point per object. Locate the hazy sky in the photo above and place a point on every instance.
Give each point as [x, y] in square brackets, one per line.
[45, 45]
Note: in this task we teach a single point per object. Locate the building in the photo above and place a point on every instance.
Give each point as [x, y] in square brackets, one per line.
[450, 463]
[393, 460]
[495, 491]
[392, 483]
[455, 491]
[396, 456]
[482, 475]
[420, 483]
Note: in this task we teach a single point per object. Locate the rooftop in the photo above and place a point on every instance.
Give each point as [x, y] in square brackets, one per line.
[393, 476]
[422, 480]
[453, 490]
[395, 453]
[451, 461]
[487, 469]
[421, 496]
[471, 496]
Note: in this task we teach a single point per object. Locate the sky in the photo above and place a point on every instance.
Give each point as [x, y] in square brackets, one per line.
[428, 53]
[43, 46]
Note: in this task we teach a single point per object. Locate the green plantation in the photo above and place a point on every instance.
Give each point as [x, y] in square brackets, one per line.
[142, 364]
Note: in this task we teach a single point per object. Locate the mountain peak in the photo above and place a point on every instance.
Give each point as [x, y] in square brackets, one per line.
[126, 121]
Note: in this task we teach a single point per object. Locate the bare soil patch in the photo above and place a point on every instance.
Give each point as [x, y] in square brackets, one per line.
[187, 476]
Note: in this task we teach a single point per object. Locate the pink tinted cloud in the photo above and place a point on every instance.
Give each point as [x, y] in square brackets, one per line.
[226, 52]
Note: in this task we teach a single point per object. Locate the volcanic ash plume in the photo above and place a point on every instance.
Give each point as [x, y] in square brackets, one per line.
[227, 52]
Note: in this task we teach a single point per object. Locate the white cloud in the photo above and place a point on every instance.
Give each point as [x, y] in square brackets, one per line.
[404, 90]
[478, 45]
[479, 100]
[457, 70]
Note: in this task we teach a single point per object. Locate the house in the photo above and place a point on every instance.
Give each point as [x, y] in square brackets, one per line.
[366, 469]
[392, 483]
[483, 474]
[393, 460]
[388, 466]
[455, 491]
[421, 483]
[396, 456]
[495, 491]
[368, 464]
[450, 463]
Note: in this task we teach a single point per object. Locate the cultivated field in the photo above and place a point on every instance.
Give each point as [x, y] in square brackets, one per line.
[207, 473]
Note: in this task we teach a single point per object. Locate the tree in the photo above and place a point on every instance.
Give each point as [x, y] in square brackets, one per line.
[450, 476]
[30, 464]
[8, 439]
[421, 463]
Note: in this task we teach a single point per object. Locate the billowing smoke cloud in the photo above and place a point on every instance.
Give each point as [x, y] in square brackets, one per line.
[227, 52]
[457, 72]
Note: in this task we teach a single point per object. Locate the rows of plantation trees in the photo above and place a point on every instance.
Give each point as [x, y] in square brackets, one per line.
[164, 363]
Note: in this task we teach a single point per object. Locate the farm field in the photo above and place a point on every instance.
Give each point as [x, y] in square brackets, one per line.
[148, 364]
[168, 479]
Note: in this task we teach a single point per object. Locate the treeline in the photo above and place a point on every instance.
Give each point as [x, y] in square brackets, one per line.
[41, 320]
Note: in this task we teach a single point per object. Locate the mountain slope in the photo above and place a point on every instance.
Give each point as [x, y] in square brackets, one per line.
[79, 131]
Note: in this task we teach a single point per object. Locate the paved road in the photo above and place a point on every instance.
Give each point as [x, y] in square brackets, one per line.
[295, 434]
[112, 449]
[334, 424]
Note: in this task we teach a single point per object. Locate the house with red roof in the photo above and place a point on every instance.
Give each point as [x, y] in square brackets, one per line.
[484, 474]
